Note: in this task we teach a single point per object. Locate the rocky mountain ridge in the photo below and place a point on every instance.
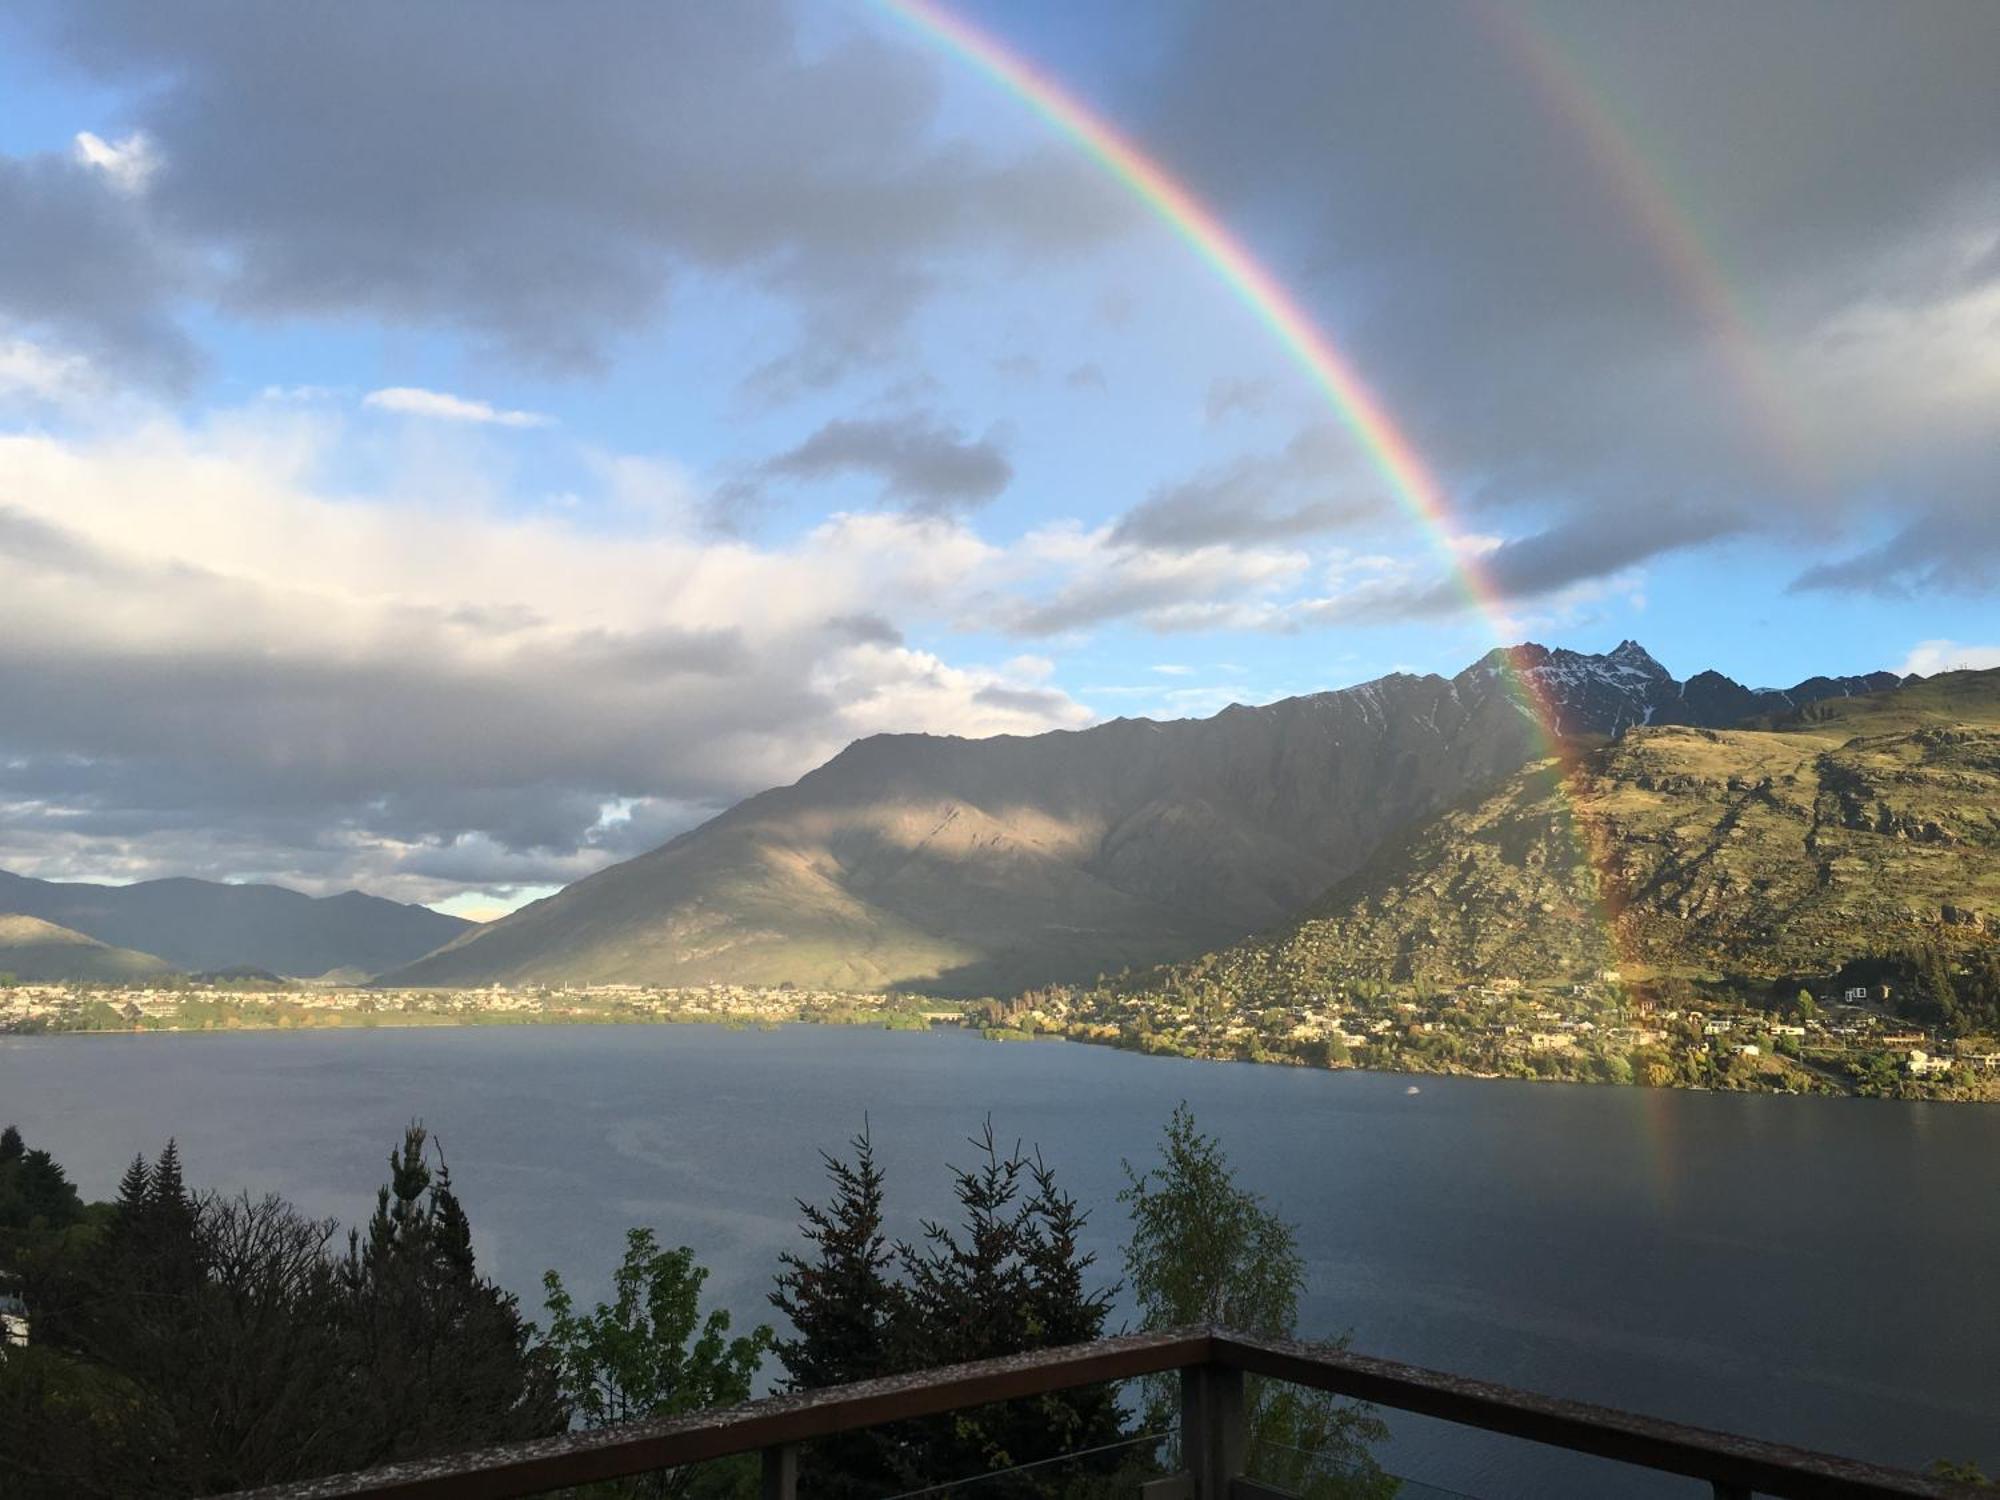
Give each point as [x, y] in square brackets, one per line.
[983, 866]
[1854, 825]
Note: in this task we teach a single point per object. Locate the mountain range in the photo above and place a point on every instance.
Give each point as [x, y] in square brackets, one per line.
[1845, 826]
[966, 867]
[202, 925]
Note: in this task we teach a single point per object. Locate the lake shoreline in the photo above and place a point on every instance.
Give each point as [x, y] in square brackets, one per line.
[339, 1022]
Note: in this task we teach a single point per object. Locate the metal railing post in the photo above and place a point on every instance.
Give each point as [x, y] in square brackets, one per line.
[781, 1473]
[1213, 1433]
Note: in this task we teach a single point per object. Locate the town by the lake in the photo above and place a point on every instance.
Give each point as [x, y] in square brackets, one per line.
[1838, 1041]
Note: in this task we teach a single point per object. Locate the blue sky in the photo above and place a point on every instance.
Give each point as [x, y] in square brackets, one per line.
[447, 452]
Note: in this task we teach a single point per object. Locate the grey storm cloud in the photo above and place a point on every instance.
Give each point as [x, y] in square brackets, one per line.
[1581, 547]
[1262, 498]
[1024, 699]
[1097, 602]
[926, 466]
[1594, 254]
[532, 174]
[291, 755]
[869, 629]
[1929, 555]
[79, 264]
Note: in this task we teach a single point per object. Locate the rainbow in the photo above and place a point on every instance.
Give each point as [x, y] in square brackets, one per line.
[1411, 481]
[1666, 224]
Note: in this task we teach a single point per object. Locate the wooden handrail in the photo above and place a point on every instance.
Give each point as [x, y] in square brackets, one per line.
[572, 1458]
[1734, 1465]
[1725, 1459]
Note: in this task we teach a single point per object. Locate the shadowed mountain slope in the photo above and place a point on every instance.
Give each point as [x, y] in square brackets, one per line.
[1842, 828]
[200, 925]
[981, 866]
[35, 951]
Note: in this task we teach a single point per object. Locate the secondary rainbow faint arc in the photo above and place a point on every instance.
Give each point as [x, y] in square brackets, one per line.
[1410, 479]
[1664, 221]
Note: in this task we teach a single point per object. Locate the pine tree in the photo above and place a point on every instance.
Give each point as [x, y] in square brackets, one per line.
[11, 1145]
[36, 1194]
[1060, 1310]
[133, 1188]
[968, 1295]
[1008, 1280]
[844, 1310]
[444, 1357]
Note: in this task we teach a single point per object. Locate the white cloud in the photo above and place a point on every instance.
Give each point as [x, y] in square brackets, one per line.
[128, 163]
[42, 374]
[442, 406]
[244, 674]
[1928, 658]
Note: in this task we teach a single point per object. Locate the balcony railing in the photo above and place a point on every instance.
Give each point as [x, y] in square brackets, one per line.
[1211, 1363]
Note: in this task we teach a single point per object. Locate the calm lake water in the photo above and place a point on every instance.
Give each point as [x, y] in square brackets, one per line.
[1822, 1272]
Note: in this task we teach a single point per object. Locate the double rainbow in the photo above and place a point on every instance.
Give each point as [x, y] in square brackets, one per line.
[1416, 488]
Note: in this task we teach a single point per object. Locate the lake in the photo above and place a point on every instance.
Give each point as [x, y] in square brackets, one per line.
[1815, 1271]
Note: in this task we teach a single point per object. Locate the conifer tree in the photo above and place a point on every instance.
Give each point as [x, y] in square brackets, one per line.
[36, 1194]
[11, 1145]
[845, 1311]
[132, 1190]
[1009, 1279]
[1060, 1310]
[444, 1356]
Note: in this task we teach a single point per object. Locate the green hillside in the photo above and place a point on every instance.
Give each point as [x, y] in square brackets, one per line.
[34, 951]
[1867, 824]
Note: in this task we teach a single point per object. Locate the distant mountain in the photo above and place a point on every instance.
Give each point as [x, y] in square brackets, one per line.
[200, 925]
[41, 952]
[981, 866]
[1849, 825]
[1625, 687]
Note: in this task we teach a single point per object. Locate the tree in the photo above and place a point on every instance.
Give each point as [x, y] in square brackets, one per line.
[123, 1304]
[1958, 1472]
[34, 1192]
[444, 1357]
[11, 1145]
[843, 1307]
[649, 1352]
[1203, 1250]
[189, 1344]
[839, 1298]
[182, 1345]
[1008, 1279]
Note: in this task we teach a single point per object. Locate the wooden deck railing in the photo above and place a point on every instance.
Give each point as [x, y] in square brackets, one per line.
[1212, 1364]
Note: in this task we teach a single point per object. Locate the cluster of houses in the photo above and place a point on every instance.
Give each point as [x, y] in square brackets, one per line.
[1508, 1019]
[63, 1005]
